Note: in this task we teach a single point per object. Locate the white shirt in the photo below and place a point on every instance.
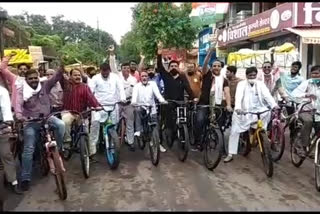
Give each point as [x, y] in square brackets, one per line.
[5, 105]
[145, 94]
[128, 83]
[107, 91]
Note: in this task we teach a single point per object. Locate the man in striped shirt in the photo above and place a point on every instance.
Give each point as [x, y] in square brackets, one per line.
[77, 96]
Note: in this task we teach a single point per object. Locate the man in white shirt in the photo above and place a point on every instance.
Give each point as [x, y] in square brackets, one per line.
[6, 155]
[125, 110]
[144, 94]
[251, 96]
[107, 88]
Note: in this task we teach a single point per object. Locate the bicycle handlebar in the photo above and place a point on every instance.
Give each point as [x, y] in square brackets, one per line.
[255, 113]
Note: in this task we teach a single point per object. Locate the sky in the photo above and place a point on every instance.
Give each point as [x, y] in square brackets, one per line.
[114, 18]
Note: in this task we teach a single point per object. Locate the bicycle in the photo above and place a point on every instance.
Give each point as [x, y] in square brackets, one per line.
[260, 136]
[182, 130]
[149, 134]
[79, 141]
[50, 158]
[277, 137]
[212, 140]
[109, 139]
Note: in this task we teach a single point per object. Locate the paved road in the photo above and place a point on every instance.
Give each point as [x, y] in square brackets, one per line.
[174, 186]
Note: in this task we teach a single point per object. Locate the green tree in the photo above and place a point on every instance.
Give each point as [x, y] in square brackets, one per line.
[164, 22]
[128, 48]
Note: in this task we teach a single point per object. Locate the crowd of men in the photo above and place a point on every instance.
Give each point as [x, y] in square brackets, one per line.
[27, 95]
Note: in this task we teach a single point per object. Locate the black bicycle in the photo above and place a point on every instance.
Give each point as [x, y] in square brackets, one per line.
[182, 133]
[80, 141]
[149, 134]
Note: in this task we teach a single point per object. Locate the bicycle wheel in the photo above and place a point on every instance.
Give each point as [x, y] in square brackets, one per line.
[266, 154]
[84, 155]
[244, 144]
[44, 165]
[183, 145]
[154, 147]
[59, 175]
[113, 152]
[277, 142]
[317, 167]
[213, 148]
[295, 157]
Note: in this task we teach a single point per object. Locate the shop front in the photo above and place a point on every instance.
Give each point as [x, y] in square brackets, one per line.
[295, 23]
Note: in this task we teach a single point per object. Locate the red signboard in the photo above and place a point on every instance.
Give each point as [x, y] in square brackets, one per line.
[308, 14]
[270, 21]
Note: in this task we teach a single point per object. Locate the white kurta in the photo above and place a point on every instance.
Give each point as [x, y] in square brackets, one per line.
[256, 98]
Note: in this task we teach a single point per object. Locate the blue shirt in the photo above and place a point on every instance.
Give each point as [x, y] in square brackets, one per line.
[290, 83]
[157, 78]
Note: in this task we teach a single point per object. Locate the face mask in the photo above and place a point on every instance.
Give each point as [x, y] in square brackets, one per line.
[252, 81]
[151, 75]
[315, 80]
[174, 72]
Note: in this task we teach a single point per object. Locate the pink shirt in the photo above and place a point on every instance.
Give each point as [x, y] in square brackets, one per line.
[11, 78]
[136, 75]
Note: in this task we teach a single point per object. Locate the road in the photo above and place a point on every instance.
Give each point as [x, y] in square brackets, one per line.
[137, 185]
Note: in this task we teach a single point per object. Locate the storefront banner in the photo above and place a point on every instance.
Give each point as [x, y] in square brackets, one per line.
[270, 21]
[308, 14]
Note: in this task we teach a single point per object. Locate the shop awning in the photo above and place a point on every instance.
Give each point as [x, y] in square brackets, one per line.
[308, 35]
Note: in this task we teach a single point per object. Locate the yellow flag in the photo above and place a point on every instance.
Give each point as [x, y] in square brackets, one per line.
[22, 56]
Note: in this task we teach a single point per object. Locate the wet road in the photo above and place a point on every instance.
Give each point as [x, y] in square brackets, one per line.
[137, 185]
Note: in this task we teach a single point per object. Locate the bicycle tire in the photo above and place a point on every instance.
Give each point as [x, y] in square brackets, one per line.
[84, 155]
[296, 160]
[113, 154]
[213, 135]
[154, 149]
[244, 144]
[44, 165]
[317, 168]
[266, 154]
[183, 148]
[59, 176]
[278, 141]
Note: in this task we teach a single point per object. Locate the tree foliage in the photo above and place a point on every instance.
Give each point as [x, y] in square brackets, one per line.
[72, 39]
[128, 48]
[153, 22]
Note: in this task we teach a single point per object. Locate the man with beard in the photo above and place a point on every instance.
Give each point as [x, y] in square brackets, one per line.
[215, 90]
[33, 100]
[194, 78]
[175, 84]
[56, 93]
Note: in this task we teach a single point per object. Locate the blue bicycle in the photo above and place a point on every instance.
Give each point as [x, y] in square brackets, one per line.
[109, 139]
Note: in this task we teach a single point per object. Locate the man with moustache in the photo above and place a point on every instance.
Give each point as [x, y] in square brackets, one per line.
[194, 78]
[175, 84]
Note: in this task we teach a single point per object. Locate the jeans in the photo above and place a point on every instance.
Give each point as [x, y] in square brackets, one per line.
[201, 121]
[169, 118]
[31, 134]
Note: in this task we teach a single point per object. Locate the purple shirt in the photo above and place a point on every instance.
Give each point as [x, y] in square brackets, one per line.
[38, 103]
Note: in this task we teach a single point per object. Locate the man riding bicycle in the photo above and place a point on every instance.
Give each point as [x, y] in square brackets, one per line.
[309, 90]
[107, 88]
[33, 99]
[144, 94]
[125, 110]
[253, 96]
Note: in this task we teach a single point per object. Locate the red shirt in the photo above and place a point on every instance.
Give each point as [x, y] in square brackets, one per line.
[78, 97]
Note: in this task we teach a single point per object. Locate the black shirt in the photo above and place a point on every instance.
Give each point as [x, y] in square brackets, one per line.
[173, 88]
[206, 87]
